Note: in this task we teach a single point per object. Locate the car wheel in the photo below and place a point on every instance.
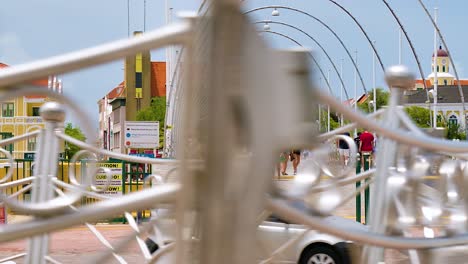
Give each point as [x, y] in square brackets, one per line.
[320, 255]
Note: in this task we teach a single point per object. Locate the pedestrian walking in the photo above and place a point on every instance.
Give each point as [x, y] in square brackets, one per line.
[357, 140]
[366, 146]
[283, 163]
[295, 158]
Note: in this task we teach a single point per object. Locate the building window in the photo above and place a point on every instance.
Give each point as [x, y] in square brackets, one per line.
[32, 144]
[445, 82]
[8, 109]
[443, 68]
[116, 114]
[35, 111]
[117, 140]
[437, 68]
[138, 80]
[453, 120]
[5, 135]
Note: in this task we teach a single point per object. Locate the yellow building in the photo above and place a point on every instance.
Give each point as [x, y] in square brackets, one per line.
[444, 77]
[21, 115]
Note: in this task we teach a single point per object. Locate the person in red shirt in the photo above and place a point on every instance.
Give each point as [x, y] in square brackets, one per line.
[366, 144]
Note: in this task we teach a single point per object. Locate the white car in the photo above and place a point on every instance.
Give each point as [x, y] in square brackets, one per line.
[313, 248]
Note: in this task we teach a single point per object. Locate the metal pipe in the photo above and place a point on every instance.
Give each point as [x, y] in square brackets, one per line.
[172, 34]
[411, 46]
[42, 190]
[322, 23]
[435, 69]
[14, 139]
[363, 32]
[310, 55]
[387, 158]
[94, 149]
[316, 42]
[348, 127]
[355, 90]
[138, 200]
[341, 92]
[287, 212]
[373, 81]
[425, 142]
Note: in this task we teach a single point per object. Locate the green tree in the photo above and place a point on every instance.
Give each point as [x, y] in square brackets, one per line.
[334, 120]
[155, 112]
[382, 100]
[420, 115]
[76, 133]
[454, 131]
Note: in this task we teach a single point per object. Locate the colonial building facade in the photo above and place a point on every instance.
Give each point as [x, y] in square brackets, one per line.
[21, 115]
[449, 106]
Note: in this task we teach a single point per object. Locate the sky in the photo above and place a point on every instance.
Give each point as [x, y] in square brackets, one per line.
[31, 30]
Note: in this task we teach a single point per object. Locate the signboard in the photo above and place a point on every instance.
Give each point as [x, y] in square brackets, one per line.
[145, 155]
[141, 134]
[29, 155]
[115, 185]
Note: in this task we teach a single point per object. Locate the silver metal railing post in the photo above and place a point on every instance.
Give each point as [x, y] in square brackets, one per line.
[53, 115]
[398, 78]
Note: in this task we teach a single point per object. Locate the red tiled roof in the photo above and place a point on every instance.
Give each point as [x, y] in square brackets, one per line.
[41, 82]
[117, 91]
[429, 85]
[158, 79]
[441, 53]
[363, 98]
[419, 81]
[462, 82]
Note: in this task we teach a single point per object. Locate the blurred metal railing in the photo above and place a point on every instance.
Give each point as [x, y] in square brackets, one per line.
[227, 139]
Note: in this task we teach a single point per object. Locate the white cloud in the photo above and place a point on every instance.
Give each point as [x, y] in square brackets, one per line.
[11, 50]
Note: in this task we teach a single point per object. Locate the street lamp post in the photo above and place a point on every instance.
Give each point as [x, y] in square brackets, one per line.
[434, 67]
[373, 81]
[355, 89]
[341, 91]
[328, 107]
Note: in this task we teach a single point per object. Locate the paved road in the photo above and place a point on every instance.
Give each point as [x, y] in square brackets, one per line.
[79, 245]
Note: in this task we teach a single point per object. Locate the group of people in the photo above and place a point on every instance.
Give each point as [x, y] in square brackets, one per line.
[294, 156]
[365, 144]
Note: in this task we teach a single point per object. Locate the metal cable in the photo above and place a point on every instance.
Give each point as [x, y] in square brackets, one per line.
[325, 25]
[310, 54]
[318, 44]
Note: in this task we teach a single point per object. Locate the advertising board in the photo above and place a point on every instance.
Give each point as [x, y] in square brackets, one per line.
[115, 185]
[141, 134]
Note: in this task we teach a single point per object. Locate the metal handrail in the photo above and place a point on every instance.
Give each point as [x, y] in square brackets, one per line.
[224, 190]
[425, 142]
[173, 34]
